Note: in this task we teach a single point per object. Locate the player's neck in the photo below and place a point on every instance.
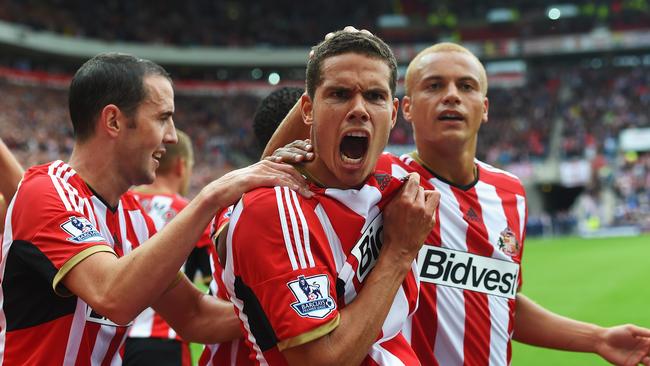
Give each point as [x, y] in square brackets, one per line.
[98, 173]
[162, 185]
[318, 173]
[456, 166]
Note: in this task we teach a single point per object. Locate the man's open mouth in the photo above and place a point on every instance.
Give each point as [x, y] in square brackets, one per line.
[450, 116]
[158, 155]
[354, 146]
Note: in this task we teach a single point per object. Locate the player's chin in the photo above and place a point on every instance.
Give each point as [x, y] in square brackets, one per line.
[354, 178]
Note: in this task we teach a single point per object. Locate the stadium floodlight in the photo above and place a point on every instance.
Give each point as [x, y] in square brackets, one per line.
[554, 12]
[274, 78]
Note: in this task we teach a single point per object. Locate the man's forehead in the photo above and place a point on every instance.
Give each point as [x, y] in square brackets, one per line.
[452, 63]
[159, 90]
[353, 67]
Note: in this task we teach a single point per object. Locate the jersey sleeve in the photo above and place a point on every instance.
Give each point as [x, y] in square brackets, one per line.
[53, 231]
[220, 222]
[283, 271]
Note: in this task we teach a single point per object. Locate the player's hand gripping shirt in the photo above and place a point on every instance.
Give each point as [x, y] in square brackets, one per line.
[54, 222]
[469, 267]
[293, 263]
[162, 208]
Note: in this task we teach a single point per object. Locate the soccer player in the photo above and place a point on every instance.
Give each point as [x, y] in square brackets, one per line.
[469, 267]
[330, 280]
[151, 341]
[73, 272]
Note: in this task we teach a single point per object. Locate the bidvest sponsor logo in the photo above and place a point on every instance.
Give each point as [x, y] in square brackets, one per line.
[95, 317]
[446, 267]
[367, 248]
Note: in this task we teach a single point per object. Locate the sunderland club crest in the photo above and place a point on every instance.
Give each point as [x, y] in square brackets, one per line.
[312, 295]
[508, 242]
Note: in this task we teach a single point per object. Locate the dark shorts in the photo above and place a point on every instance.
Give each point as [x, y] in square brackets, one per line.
[155, 351]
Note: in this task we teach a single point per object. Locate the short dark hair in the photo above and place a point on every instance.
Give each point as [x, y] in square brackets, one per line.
[349, 42]
[182, 149]
[272, 110]
[108, 78]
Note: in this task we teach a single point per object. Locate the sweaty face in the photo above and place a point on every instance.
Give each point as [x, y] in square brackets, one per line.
[152, 126]
[446, 105]
[351, 117]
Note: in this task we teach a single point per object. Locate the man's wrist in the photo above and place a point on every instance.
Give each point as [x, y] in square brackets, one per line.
[398, 259]
[209, 200]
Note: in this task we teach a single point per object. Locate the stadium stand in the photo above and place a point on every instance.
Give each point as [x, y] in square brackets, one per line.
[559, 125]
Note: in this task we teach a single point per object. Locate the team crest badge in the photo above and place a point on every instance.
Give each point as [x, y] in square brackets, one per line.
[508, 242]
[81, 230]
[312, 293]
[382, 180]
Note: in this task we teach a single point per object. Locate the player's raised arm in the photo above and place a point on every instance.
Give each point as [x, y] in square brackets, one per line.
[11, 170]
[409, 217]
[114, 287]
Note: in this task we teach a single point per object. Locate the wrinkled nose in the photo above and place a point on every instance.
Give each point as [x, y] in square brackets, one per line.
[358, 111]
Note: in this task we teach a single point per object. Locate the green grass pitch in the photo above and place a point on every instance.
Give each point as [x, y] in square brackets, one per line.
[603, 281]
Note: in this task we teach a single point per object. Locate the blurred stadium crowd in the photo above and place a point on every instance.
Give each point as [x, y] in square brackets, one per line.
[284, 22]
[592, 105]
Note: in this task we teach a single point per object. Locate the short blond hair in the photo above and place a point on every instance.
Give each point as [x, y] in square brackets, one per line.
[181, 149]
[439, 48]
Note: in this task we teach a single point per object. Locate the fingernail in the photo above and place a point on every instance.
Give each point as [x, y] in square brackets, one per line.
[310, 155]
[308, 147]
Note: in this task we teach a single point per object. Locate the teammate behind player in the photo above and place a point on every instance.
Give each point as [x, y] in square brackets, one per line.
[268, 115]
[72, 276]
[463, 320]
[482, 216]
[151, 341]
[272, 110]
[298, 271]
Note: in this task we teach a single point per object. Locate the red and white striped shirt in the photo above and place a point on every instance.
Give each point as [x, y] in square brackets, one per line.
[469, 267]
[235, 352]
[162, 208]
[293, 263]
[54, 222]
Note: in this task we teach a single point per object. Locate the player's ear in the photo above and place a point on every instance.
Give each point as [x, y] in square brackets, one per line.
[180, 166]
[394, 114]
[111, 120]
[406, 108]
[486, 105]
[307, 109]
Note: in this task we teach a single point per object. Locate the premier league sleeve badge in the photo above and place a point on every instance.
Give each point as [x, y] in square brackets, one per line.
[312, 295]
